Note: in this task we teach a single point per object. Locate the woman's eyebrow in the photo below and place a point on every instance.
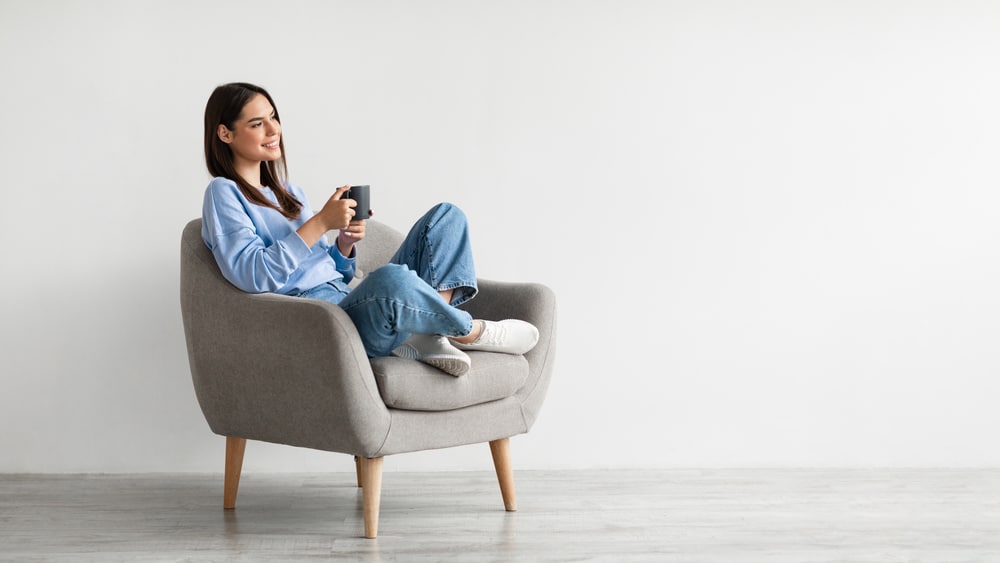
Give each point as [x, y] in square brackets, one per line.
[252, 119]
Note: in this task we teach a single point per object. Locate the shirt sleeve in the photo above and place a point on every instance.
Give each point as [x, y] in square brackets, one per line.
[243, 256]
[346, 265]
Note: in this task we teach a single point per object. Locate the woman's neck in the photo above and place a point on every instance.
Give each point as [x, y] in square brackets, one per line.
[249, 171]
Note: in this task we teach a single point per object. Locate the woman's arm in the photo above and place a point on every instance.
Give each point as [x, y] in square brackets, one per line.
[245, 259]
[242, 255]
[336, 214]
[350, 235]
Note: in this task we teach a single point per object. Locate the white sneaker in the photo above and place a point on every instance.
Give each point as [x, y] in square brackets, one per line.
[509, 336]
[436, 351]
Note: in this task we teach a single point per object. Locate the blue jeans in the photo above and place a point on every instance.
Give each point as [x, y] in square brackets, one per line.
[401, 298]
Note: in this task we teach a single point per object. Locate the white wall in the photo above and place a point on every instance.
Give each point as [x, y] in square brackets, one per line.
[772, 226]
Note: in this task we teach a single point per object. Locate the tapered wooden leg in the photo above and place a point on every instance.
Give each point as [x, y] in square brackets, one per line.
[234, 466]
[357, 469]
[505, 472]
[371, 469]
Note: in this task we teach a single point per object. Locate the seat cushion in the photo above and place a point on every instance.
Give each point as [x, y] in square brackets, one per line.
[411, 385]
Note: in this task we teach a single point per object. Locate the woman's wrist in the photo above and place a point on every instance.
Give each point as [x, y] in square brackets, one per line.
[312, 230]
[345, 245]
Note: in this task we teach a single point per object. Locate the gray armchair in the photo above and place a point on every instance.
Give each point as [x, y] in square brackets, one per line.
[293, 371]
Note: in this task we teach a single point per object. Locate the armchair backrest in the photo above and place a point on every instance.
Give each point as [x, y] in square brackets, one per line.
[380, 243]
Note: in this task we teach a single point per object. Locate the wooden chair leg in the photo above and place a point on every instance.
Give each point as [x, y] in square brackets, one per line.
[357, 469]
[234, 466]
[371, 492]
[505, 472]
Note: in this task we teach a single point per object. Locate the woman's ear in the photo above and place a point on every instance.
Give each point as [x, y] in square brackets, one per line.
[225, 135]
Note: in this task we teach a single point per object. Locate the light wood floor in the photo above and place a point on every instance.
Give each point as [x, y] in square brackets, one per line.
[759, 515]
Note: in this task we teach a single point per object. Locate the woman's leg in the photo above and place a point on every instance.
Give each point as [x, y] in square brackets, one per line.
[419, 291]
[392, 303]
[438, 249]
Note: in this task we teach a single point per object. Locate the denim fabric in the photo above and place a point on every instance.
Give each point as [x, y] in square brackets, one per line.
[401, 298]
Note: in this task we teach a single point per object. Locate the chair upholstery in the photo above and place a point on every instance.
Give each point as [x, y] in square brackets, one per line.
[293, 371]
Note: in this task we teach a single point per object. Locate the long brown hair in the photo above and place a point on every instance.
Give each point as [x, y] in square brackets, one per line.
[224, 106]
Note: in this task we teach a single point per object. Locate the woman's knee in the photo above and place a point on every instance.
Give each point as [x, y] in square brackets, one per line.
[446, 211]
[390, 276]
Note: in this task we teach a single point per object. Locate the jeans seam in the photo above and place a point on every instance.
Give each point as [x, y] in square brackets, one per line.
[430, 255]
[402, 305]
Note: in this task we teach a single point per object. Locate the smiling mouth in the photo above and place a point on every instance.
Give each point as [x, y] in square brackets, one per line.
[271, 146]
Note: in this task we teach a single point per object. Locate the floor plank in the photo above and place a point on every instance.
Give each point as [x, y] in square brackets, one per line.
[670, 515]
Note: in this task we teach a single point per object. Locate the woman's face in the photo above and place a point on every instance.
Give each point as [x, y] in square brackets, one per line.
[256, 133]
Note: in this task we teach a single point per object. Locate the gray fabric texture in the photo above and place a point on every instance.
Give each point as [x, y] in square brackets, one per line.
[414, 431]
[380, 243]
[536, 304]
[293, 371]
[405, 384]
[276, 368]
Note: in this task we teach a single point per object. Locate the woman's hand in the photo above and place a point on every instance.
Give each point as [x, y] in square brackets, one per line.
[336, 214]
[349, 235]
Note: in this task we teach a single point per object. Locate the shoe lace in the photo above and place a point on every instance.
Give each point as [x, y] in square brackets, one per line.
[494, 334]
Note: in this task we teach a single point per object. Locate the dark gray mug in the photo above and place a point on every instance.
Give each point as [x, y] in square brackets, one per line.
[360, 194]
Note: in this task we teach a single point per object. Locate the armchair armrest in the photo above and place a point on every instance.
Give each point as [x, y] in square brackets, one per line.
[286, 370]
[536, 304]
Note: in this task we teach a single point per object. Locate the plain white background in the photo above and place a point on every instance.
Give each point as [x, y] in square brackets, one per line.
[772, 226]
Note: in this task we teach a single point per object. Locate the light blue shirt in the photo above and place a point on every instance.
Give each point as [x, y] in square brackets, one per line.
[257, 248]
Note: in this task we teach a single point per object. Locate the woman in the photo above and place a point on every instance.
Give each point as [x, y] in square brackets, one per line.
[266, 238]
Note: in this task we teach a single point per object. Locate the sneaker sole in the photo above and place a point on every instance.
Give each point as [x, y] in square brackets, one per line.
[447, 364]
